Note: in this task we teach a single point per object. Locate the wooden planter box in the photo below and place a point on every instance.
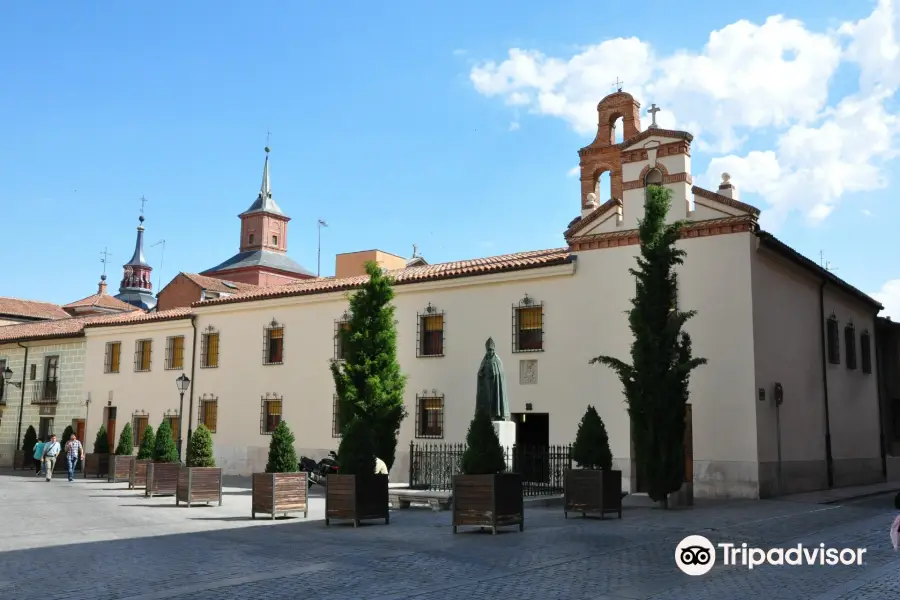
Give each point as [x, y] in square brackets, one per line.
[356, 498]
[199, 485]
[138, 476]
[162, 479]
[96, 465]
[488, 501]
[279, 493]
[119, 468]
[593, 491]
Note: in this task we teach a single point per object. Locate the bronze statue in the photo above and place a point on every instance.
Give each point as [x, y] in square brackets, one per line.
[491, 392]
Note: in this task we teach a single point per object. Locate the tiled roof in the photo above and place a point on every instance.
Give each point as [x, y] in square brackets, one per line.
[580, 223]
[218, 285]
[722, 199]
[102, 301]
[31, 309]
[141, 317]
[260, 258]
[418, 274]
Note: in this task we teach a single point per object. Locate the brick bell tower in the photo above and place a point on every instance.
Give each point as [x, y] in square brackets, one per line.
[604, 155]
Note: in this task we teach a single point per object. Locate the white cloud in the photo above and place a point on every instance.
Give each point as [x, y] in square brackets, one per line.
[866, 212]
[573, 172]
[748, 78]
[889, 296]
[460, 52]
[514, 126]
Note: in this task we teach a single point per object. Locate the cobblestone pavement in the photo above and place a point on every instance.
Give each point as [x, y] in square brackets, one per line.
[91, 540]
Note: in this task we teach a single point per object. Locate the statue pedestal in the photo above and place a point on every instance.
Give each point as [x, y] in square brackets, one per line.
[506, 433]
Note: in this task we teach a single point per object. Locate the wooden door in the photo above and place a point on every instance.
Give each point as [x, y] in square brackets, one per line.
[111, 427]
[78, 426]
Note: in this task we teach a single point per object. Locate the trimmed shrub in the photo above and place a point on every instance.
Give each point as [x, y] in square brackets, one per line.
[164, 449]
[28, 441]
[356, 454]
[483, 455]
[591, 447]
[282, 456]
[200, 448]
[101, 443]
[145, 451]
[126, 441]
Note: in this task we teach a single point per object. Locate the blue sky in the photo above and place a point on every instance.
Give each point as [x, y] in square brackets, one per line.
[403, 125]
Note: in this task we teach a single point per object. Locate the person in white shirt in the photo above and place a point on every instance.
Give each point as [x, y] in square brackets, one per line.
[51, 451]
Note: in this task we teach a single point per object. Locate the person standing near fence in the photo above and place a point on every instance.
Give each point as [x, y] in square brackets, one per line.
[49, 454]
[74, 452]
[38, 451]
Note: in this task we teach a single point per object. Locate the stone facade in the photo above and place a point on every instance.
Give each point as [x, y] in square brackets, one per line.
[70, 404]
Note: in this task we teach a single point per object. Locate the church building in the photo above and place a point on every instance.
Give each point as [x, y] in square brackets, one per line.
[788, 401]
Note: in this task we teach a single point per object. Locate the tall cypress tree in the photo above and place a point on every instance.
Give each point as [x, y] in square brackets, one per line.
[656, 381]
[126, 441]
[164, 448]
[148, 441]
[282, 456]
[368, 382]
[29, 440]
[101, 442]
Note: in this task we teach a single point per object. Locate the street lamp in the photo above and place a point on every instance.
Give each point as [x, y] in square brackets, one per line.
[183, 382]
[7, 380]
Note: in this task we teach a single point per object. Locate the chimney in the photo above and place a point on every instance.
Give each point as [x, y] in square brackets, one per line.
[101, 289]
[727, 189]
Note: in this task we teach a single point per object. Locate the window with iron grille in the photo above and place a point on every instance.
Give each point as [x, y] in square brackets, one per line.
[273, 343]
[32, 374]
[430, 332]
[175, 352]
[139, 422]
[270, 414]
[174, 423]
[209, 348]
[528, 325]
[335, 417]
[113, 357]
[865, 347]
[429, 415]
[341, 329]
[850, 343]
[834, 340]
[142, 352]
[209, 413]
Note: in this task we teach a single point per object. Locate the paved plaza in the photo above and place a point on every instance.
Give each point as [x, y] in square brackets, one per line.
[92, 540]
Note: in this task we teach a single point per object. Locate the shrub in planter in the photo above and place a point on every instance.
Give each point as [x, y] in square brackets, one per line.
[281, 489]
[97, 462]
[356, 492]
[144, 457]
[484, 495]
[120, 462]
[200, 480]
[594, 488]
[23, 458]
[162, 472]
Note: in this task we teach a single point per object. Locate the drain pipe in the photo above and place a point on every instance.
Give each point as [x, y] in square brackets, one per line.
[878, 359]
[829, 460]
[193, 383]
[22, 403]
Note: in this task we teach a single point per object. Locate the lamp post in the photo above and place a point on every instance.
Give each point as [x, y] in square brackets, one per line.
[7, 380]
[183, 382]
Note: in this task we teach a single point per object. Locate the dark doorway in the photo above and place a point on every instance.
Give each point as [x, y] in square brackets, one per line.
[45, 428]
[532, 456]
[111, 426]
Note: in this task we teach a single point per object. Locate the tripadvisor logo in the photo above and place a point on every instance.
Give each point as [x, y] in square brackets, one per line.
[696, 555]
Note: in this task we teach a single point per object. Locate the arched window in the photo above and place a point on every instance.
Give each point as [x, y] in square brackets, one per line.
[653, 177]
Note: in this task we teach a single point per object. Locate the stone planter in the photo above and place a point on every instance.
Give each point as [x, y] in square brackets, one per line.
[199, 485]
[96, 465]
[279, 493]
[592, 492]
[356, 498]
[488, 501]
[119, 468]
[138, 475]
[162, 479]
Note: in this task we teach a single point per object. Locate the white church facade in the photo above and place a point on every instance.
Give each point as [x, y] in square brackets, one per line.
[788, 401]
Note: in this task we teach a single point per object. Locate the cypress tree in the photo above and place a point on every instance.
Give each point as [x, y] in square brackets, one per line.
[484, 455]
[28, 441]
[145, 451]
[200, 448]
[67, 433]
[591, 447]
[282, 456]
[164, 448]
[101, 442]
[656, 381]
[369, 383]
[356, 454]
[126, 441]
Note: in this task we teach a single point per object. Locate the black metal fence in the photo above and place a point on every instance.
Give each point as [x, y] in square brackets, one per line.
[433, 465]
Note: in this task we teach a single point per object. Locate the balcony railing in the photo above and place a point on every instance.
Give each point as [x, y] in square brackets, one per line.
[45, 392]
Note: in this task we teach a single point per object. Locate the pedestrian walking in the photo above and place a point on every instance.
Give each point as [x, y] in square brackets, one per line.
[74, 453]
[38, 452]
[49, 454]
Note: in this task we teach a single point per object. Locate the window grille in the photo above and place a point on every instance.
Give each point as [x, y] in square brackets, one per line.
[209, 348]
[209, 413]
[143, 350]
[175, 352]
[850, 343]
[113, 357]
[341, 330]
[430, 415]
[528, 325]
[335, 416]
[270, 414]
[430, 332]
[833, 338]
[273, 343]
[139, 422]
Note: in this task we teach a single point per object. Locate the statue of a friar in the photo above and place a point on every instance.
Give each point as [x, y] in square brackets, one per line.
[491, 393]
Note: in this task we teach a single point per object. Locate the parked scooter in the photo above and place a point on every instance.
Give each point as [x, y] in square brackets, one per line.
[316, 472]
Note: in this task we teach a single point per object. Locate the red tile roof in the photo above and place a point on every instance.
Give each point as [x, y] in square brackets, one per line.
[73, 327]
[141, 317]
[102, 301]
[219, 285]
[417, 274]
[31, 309]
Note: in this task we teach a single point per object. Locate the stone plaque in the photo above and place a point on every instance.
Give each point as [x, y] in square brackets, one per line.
[48, 411]
[528, 372]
